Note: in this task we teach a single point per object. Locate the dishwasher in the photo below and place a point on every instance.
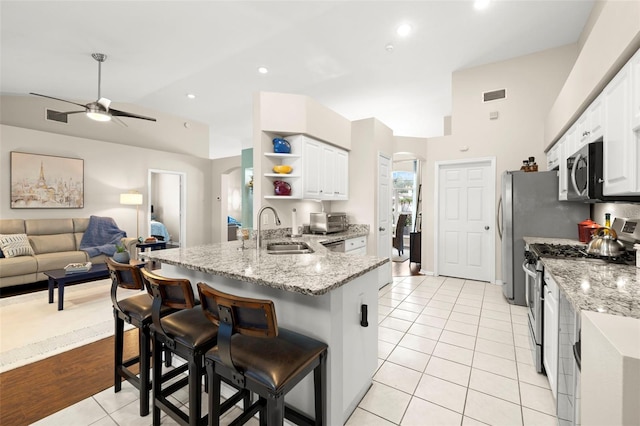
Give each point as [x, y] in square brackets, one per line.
[335, 246]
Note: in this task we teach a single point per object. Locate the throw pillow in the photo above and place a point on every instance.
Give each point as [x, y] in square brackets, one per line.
[14, 245]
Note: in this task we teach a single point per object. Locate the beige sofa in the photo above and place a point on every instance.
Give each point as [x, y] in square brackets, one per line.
[55, 243]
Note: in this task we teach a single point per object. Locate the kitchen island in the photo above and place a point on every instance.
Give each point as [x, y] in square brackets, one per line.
[319, 294]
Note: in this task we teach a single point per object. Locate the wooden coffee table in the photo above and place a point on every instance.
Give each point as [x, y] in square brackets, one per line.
[60, 278]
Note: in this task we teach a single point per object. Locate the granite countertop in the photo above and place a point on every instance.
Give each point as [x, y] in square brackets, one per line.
[594, 285]
[312, 274]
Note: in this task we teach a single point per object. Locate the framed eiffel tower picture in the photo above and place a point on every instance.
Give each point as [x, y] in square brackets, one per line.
[46, 181]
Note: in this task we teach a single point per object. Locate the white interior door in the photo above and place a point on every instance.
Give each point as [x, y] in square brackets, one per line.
[466, 205]
[384, 216]
[167, 191]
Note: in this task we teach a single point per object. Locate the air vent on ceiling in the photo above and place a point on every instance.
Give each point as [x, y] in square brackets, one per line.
[494, 95]
[57, 116]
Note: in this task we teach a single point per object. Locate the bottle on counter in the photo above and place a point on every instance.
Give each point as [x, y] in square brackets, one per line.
[607, 224]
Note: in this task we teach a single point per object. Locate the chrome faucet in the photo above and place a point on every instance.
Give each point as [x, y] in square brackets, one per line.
[259, 236]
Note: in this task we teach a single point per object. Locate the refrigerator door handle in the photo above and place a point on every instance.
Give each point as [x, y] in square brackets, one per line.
[499, 216]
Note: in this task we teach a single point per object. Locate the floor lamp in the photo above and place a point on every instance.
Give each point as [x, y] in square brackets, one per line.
[133, 198]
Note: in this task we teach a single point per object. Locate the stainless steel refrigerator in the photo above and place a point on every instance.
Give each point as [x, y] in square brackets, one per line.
[529, 206]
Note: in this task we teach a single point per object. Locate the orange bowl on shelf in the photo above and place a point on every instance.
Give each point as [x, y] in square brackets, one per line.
[282, 169]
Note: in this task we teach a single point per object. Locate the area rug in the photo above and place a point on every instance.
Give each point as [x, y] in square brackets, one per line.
[32, 329]
[400, 258]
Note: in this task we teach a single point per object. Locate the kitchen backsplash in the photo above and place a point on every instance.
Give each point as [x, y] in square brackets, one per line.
[630, 211]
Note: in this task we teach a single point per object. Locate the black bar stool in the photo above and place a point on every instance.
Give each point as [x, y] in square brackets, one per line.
[255, 354]
[188, 334]
[135, 310]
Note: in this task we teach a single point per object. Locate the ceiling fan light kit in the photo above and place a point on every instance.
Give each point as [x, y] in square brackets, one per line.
[99, 110]
[98, 116]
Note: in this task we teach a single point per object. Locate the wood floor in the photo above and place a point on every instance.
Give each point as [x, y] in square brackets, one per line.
[35, 391]
[405, 269]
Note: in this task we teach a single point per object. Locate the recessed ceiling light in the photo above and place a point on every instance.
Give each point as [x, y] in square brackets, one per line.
[403, 30]
[191, 96]
[263, 70]
[481, 4]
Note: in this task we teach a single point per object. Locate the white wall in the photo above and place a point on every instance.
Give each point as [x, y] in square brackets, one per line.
[109, 170]
[218, 218]
[532, 83]
[368, 137]
[611, 41]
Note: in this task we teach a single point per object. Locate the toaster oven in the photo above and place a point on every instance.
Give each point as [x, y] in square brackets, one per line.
[327, 223]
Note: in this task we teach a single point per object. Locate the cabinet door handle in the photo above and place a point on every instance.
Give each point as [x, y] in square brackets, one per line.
[381, 229]
[364, 314]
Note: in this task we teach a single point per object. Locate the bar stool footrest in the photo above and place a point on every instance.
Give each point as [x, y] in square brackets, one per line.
[297, 417]
[248, 414]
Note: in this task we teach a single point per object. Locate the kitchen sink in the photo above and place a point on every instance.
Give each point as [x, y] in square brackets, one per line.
[288, 248]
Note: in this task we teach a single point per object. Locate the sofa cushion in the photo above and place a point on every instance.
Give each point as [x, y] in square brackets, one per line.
[80, 224]
[14, 245]
[12, 226]
[48, 226]
[52, 243]
[14, 266]
[49, 261]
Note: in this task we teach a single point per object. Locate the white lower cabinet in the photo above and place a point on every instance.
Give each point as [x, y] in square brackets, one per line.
[357, 246]
[551, 324]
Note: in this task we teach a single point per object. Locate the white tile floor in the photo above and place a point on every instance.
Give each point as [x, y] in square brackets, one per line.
[450, 352]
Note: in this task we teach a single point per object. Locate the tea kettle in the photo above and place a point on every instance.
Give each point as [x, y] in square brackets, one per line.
[281, 188]
[604, 242]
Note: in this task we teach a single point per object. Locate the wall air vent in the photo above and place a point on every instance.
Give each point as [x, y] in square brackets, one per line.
[57, 116]
[494, 95]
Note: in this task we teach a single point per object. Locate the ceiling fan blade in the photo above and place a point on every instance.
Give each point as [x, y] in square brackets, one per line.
[118, 113]
[120, 122]
[57, 99]
[72, 112]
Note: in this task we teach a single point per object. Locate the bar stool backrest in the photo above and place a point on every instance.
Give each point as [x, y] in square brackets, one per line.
[246, 316]
[125, 275]
[173, 292]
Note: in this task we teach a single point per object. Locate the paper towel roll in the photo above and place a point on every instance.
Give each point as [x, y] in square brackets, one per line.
[294, 222]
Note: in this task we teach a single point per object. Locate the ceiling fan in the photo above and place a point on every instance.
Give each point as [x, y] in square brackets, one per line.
[99, 110]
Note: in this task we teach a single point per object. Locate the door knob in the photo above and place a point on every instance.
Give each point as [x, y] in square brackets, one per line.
[486, 228]
[381, 229]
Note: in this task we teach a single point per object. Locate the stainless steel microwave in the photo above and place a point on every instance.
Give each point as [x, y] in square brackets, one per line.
[585, 176]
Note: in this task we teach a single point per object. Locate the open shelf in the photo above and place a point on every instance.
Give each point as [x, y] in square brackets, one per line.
[282, 175]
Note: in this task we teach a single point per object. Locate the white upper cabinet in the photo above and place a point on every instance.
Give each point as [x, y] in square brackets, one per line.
[326, 171]
[620, 150]
[312, 168]
[562, 170]
[341, 183]
[552, 157]
[589, 125]
[635, 94]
